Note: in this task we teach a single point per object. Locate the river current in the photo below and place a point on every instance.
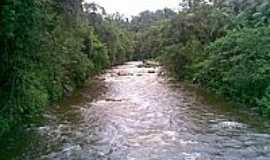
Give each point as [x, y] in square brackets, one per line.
[135, 112]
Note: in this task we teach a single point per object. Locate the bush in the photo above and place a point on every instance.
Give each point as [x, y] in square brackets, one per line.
[238, 67]
[182, 60]
[175, 60]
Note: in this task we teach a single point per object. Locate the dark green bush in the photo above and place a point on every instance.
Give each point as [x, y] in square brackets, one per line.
[175, 60]
[182, 60]
[238, 67]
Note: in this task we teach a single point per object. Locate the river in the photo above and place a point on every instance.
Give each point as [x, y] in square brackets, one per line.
[135, 112]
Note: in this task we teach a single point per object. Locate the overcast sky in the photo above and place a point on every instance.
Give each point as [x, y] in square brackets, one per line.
[133, 7]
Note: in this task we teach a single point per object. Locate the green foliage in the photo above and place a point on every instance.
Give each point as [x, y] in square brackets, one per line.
[264, 103]
[148, 32]
[238, 66]
[182, 60]
[222, 45]
[112, 31]
[21, 91]
[149, 42]
[253, 14]
[175, 60]
[47, 49]
[147, 19]
[184, 38]
[118, 42]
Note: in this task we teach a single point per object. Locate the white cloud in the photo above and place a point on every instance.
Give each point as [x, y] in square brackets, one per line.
[133, 7]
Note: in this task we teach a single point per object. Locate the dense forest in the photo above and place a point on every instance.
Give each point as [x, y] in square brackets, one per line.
[48, 48]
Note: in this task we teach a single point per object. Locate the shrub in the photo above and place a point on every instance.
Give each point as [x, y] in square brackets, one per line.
[238, 66]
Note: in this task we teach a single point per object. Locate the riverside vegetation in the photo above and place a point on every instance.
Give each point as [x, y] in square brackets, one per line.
[49, 47]
[221, 45]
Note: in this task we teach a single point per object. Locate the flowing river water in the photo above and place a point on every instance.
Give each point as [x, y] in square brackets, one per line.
[134, 112]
